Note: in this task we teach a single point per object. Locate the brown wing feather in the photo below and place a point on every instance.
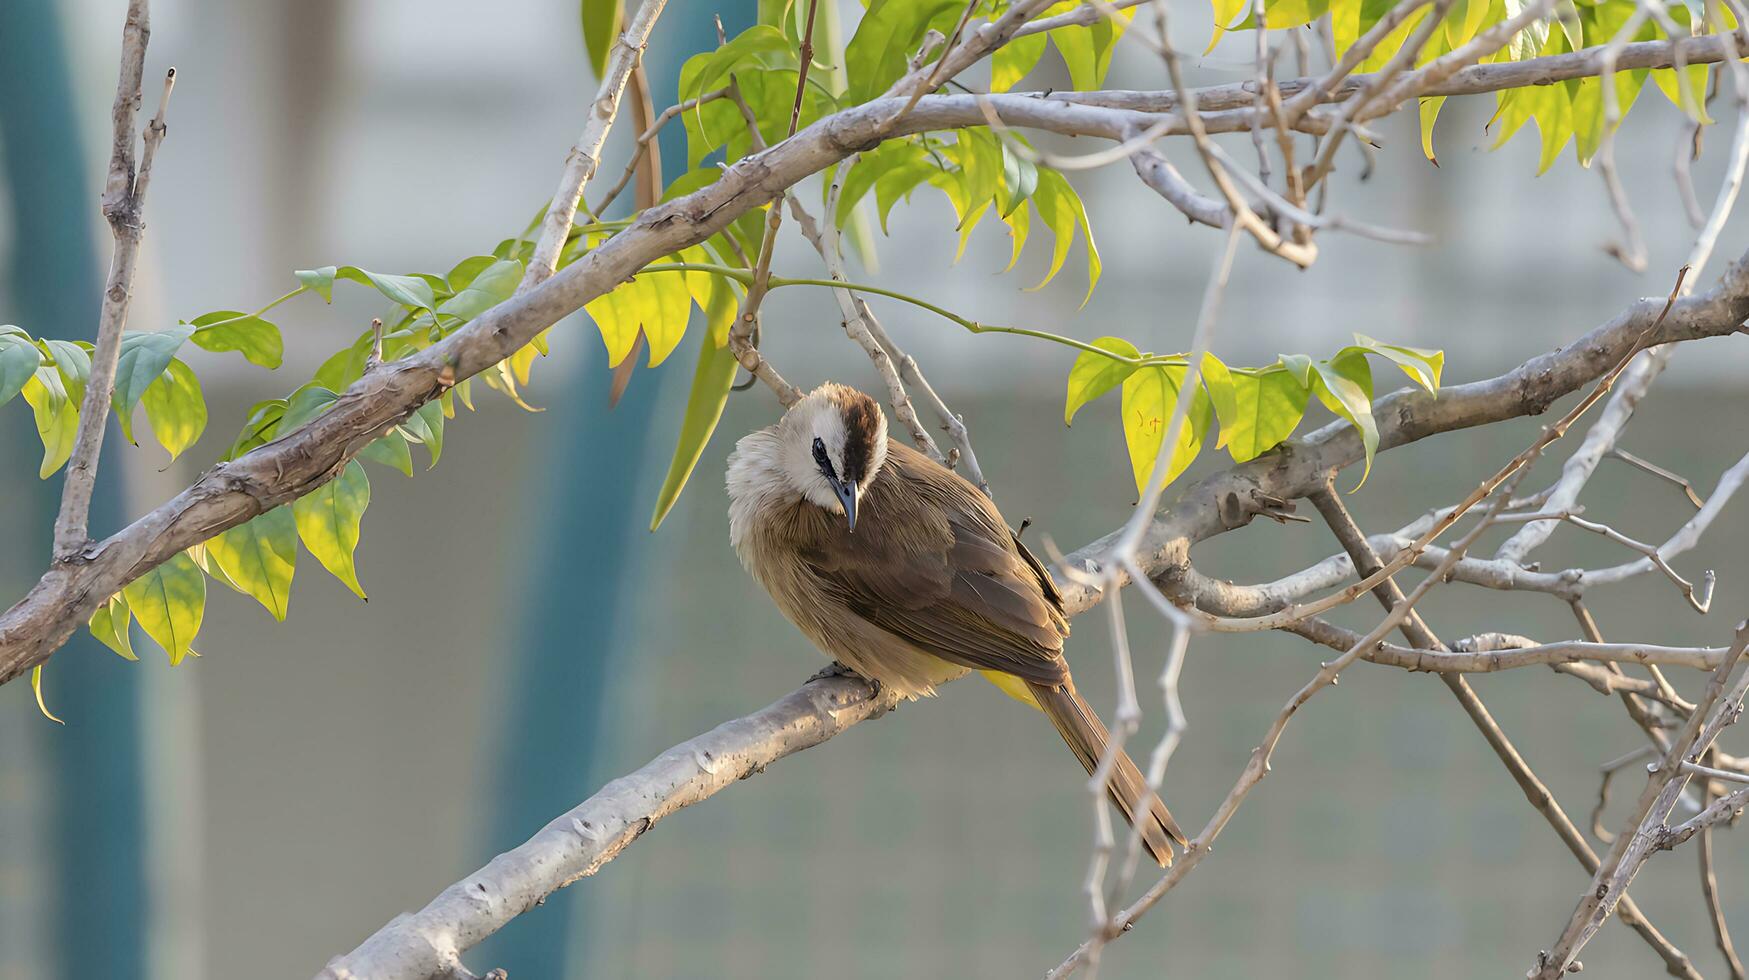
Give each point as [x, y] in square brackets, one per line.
[932, 562]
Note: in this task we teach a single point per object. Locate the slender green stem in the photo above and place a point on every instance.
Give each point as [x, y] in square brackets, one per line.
[244, 316]
[746, 278]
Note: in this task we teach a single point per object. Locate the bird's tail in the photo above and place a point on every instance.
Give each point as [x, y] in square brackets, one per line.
[1088, 738]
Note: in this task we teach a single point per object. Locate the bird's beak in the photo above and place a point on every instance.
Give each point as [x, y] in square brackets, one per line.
[847, 496]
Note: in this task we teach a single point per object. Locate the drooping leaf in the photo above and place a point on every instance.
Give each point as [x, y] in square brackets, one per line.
[1148, 398]
[1344, 385]
[1019, 180]
[1422, 366]
[19, 359]
[711, 379]
[304, 404]
[110, 625]
[259, 556]
[490, 286]
[1093, 374]
[328, 520]
[1015, 60]
[56, 415]
[885, 40]
[1266, 407]
[1060, 207]
[258, 340]
[426, 422]
[36, 686]
[175, 408]
[144, 357]
[169, 602]
[392, 451]
[1019, 224]
[601, 24]
[73, 362]
[259, 426]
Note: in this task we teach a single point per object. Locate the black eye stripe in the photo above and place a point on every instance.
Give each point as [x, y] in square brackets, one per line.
[820, 457]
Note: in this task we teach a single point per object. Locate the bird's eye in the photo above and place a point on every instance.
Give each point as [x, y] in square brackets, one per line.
[820, 457]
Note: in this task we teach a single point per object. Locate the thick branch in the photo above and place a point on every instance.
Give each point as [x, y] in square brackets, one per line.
[430, 942]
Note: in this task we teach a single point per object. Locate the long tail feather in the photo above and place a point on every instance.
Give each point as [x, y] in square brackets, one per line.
[1087, 738]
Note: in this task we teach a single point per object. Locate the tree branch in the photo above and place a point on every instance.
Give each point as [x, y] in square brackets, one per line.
[124, 204]
[585, 156]
[553, 858]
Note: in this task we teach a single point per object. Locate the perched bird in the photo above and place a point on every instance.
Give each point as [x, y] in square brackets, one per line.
[902, 571]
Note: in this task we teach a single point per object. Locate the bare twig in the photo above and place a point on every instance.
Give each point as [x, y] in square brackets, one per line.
[1645, 831]
[124, 203]
[643, 143]
[585, 155]
[1661, 473]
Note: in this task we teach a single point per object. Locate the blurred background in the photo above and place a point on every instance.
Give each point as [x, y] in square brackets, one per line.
[271, 803]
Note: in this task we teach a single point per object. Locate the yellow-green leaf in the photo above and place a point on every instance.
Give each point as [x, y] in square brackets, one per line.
[36, 686]
[1093, 374]
[1148, 398]
[175, 408]
[260, 557]
[169, 602]
[1344, 385]
[57, 418]
[1266, 408]
[110, 625]
[328, 520]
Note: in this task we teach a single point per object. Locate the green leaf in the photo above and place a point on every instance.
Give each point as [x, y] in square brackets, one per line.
[256, 339]
[260, 557]
[73, 362]
[1344, 385]
[409, 291]
[304, 404]
[1060, 207]
[1015, 60]
[1219, 382]
[175, 408]
[885, 40]
[1019, 180]
[1428, 114]
[321, 280]
[1227, 11]
[1422, 366]
[601, 24]
[667, 304]
[36, 686]
[711, 379]
[1148, 398]
[898, 183]
[144, 357]
[328, 519]
[110, 625]
[392, 451]
[259, 427]
[760, 46]
[1300, 366]
[426, 425]
[1686, 91]
[492, 285]
[56, 415]
[1266, 407]
[19, 359]
[169, 602]
[1019, 223]
[1093, 374]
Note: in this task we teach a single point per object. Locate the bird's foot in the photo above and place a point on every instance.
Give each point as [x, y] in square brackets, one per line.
[833, 669]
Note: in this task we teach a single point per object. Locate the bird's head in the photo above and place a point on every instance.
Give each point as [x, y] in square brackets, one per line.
[833, 443]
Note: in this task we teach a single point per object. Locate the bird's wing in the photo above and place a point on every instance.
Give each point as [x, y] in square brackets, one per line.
[932, 562]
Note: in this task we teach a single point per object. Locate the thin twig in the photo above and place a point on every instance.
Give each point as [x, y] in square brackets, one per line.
[585, 156]
[124, 202]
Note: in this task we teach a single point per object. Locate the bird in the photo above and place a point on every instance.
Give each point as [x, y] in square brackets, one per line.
[904, 572]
